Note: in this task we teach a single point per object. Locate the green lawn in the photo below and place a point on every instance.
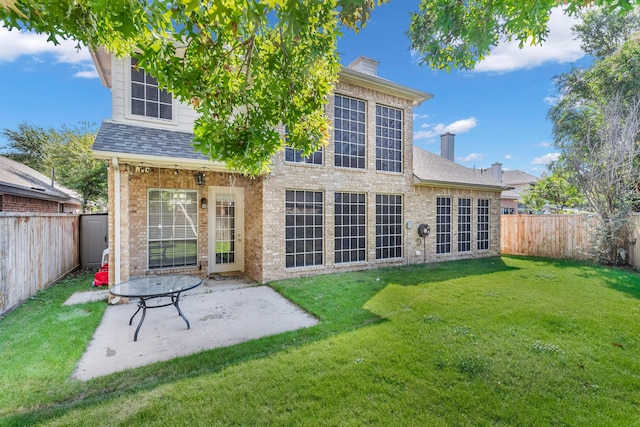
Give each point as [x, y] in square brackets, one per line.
[499, 341]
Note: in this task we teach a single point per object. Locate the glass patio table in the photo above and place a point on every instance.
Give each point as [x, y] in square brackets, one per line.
[147, 288]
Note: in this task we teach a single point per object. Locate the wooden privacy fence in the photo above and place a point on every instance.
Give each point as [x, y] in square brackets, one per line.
[555, 236]
[35, 251]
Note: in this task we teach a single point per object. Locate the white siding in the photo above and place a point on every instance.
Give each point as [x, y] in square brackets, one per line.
[184, 114]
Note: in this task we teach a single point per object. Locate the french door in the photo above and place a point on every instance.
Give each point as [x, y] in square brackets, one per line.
[226, 229]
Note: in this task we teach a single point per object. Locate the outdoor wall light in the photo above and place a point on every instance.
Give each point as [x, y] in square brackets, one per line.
[203, 203]
[200, 177]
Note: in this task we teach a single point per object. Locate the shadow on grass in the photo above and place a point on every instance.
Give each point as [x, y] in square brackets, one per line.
[336, 299]
[621, 279]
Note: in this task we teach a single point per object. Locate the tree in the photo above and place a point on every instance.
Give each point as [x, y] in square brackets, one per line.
[246, 66]
[597, 128]
[77, 169]
[449, 34]
[249, 66]
[68, 152]
[553, 190]
[28, 145]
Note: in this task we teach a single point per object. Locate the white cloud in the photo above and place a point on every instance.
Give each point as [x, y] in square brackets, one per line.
[472, 156]
[544, 144]
[457, 127]
[16, 44]
[420, 116]
[559, 47]
[551, 100]
[508, 156]
[546, 159]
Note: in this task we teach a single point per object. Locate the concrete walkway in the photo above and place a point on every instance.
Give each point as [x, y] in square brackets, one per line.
[221, 313]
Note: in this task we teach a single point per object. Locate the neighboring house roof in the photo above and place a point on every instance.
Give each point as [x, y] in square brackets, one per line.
[20, 180]
[518, 177]
[435, 171]
[141, 144]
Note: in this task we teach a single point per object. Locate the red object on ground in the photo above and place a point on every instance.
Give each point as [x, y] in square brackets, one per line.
[102, 276]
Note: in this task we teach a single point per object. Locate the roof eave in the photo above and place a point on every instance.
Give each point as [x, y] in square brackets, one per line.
[163, 161]
[348, 75]
[34, 194]
[102, 60]
[460, 185]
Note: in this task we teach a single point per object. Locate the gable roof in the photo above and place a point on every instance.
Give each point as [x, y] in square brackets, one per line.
[153, 146]
[431, 170]
[20, 180]
[518, 177]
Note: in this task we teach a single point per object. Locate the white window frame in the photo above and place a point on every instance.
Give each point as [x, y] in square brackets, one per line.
[128, 97]
[194, 221]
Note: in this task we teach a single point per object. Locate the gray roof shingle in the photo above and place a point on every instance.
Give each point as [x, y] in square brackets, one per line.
[141, 140]
[20, 179]
[431, 169]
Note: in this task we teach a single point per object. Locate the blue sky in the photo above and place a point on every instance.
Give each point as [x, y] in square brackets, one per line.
[498, 111]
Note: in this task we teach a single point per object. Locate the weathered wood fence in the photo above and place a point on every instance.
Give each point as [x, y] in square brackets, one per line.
[558, 236]
[35, 250]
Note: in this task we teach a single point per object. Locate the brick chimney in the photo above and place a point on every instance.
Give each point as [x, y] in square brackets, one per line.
[446, 146]
[496, 171]
[365, 65]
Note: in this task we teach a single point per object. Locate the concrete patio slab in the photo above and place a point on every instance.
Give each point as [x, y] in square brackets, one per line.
[221, 314]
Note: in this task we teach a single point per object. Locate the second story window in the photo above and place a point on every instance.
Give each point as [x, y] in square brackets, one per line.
[349, 132]
[147, 99]
[388, 139]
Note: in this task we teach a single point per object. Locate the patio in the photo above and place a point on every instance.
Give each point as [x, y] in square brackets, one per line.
[221, 313]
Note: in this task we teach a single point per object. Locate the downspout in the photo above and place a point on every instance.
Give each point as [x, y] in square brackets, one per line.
[116, 218]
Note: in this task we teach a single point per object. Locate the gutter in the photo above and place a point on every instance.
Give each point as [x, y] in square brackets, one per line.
[33, 193]
[460, 185]
[163, 162]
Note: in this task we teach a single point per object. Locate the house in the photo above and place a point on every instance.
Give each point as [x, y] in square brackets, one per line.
[521, 183]
[358, 203]
[23, 189]
[518, 184]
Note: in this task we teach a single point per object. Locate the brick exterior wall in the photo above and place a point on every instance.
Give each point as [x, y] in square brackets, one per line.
[418, 203]
[264, 207]
[13, 203]
[133, 219]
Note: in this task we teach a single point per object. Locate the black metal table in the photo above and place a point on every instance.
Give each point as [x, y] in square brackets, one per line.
[147, 288]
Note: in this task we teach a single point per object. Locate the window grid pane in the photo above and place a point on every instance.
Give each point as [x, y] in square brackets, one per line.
[225, 229]
[443, 225]
[172, 228]
[303, 228]
[388, 226]
[295, 156]
[464, 225]
[350, 227]
[146, 97]
[388, 139]
[349, 132]
[483, 224]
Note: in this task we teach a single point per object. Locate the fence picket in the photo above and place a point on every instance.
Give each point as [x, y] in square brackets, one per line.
[35, 250]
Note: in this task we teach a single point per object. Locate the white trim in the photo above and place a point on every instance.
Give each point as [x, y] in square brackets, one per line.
[238, 264]
[139, 118]
[116, 218]
[165, 162]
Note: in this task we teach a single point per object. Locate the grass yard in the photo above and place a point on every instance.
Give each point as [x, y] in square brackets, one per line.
[498, 341]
